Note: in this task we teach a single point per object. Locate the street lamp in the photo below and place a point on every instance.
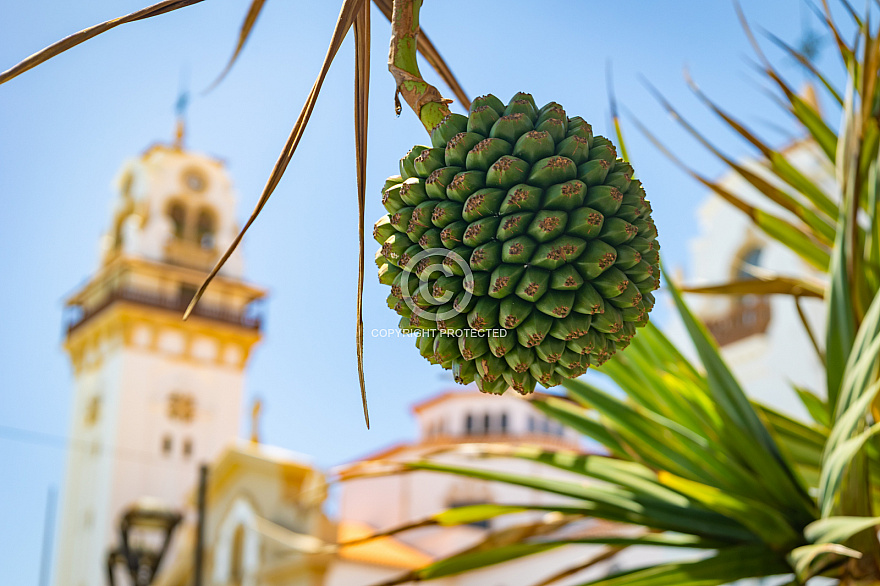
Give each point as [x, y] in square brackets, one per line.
[146, 529]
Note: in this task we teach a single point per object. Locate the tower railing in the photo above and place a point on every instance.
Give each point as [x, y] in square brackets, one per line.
[745, 318]
[173, 303]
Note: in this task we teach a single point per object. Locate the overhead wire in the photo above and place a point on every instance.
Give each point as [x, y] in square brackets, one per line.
[91, 446]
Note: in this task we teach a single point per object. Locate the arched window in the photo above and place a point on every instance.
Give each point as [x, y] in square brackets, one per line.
[487, 423]
[748, 314]
[167, 444]
[469, 424]
[236, 563]
[747, 261]
[177, 215]
[503, 422]
[205, 229]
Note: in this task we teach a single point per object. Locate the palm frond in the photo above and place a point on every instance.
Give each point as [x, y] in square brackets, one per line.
[606, 554]
[777, 228]
[728, 565]
[688, 453]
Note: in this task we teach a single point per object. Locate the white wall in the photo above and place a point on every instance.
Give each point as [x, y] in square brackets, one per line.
[389, 501]
[766, 364]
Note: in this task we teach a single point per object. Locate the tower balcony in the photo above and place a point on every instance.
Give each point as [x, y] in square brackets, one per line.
[78, 315]
[746, 317]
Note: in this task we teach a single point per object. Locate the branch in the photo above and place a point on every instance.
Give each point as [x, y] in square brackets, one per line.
[424, 99]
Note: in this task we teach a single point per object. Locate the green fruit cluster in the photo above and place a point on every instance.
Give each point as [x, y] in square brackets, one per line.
[519, 246]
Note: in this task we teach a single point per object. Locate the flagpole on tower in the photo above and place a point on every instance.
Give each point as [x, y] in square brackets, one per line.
[180, 108]
[48, 532]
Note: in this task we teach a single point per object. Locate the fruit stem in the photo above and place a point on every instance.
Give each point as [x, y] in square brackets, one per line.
[424, 99]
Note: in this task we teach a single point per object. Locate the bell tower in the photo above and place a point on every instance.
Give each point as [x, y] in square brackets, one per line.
[153, 395]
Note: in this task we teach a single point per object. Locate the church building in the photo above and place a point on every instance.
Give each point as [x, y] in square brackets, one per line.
[153, 395]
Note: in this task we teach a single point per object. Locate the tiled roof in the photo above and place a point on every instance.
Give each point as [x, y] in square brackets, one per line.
[383, 551]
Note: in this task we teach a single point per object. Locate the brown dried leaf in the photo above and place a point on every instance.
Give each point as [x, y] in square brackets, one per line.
[767, 286]
[361, 108]
[343, 23]
[249, 20]
[84, 35]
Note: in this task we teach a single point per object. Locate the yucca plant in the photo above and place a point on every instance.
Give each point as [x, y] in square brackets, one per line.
[689, 457]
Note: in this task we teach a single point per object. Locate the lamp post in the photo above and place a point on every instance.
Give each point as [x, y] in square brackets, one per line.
[145, 529]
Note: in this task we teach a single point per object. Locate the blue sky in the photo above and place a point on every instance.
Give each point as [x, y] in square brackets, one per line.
[67, 126]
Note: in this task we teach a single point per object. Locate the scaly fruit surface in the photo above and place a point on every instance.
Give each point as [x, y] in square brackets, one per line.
[518, 245]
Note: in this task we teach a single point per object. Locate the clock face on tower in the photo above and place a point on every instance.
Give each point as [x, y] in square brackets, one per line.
[194, 180]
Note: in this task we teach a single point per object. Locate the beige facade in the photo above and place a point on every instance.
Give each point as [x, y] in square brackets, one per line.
[263, 526]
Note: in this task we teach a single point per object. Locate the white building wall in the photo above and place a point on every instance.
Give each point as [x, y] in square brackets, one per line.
[390, 501]
[144, 425]
[766, 364]
[90, 463]
[121, 459]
